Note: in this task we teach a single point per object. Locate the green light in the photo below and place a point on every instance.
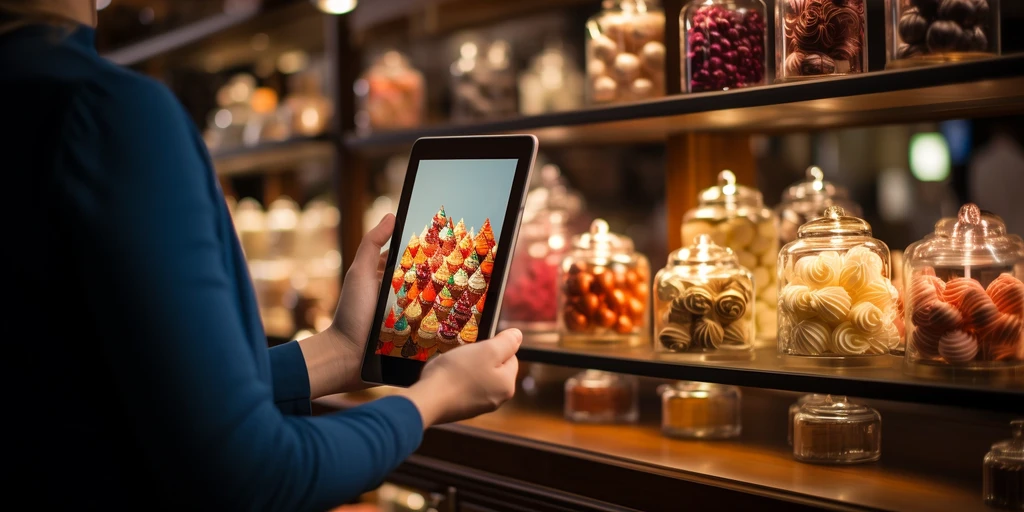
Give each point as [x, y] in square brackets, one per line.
[929, 157]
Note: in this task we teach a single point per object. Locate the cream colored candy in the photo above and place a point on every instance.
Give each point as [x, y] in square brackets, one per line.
[848, 340]
[604, 48]
[762, 245]
[695, 228]
[832, 304]
[855, 275]
[811, 337]
[821, 270]
[747, 259]
[767, 323]
[889, 336]
[605, 89]
[769, 260]
[642, 88]
[866, 256]
[761, 277]
[596, 68]
[626, 68]
[652, 56]
[741, 232]
[867, 317]
[797, 300]
[769, 294]
[880, 292]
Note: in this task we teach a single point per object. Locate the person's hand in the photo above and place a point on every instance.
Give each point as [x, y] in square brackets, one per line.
[467, 381]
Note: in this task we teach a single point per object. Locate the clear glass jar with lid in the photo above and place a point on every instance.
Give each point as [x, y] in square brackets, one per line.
[483, 81]
[735, 217]
[704, 305]
[1003, 474]
[836, 431]
[820, 38]
[815, 398]
[965, 301]
[724, 44]
[604, 286]
[391, 94]
[626, 51]
[805, 200]
[700, 410]
[594, 396]
[922, 32]
[836, 301]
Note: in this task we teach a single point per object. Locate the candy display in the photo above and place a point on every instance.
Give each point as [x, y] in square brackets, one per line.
[435, 306]
[734, 216]
[626, 52]
[723, 44]
[836, 431]
[390, 93]
[805, 200]
[837, 304]
[483, 82]
[964, 299]
[811, 398]
[593, 396]
[1003, 473]
[604, 287]
[935, 31]
[553, 82]
[700, 410]
[816, 38]
[704, 304]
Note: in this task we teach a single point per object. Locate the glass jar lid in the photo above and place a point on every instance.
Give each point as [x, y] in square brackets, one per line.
[602, 241]
[727, 192]
[974, 239]
[601, 379]
[993, 223]
[813, 188]
[834, 222]
[694, 389]
[1011, 449]
[838, 408]
[703, 251]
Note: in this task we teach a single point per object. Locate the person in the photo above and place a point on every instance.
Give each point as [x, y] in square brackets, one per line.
[148, 383]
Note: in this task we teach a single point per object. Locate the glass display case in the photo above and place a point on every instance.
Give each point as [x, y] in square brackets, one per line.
[483, 81]
[553, 82]
[724, 44]
[921, 32]
[805, 200]
[391, 94]
[626, 51]
[820, 38]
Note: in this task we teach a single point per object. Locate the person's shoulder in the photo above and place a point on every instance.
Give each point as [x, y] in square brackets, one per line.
[127, 96]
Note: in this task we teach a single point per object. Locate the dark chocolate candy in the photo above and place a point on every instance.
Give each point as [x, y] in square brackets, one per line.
[927, 8]
[818, 64]
[913, 27]
[963, 12]
[906, 51]
[943, 36]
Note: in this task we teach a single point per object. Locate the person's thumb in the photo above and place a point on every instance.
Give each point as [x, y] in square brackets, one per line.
[505, 344]
[368, 255]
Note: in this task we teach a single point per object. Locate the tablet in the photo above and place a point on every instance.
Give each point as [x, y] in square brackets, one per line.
[455, 231]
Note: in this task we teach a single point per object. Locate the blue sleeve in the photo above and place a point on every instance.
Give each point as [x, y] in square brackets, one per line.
[291, 379]
[137, 189]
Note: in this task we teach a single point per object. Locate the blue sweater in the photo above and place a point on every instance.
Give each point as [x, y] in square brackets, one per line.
[140, 376]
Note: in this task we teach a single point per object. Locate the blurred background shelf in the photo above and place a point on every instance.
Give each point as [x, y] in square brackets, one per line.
[272, 156]
[972, 89]
[768, 371]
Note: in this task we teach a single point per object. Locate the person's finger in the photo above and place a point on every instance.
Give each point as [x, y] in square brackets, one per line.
[510, 367]
[505, 344]
[382, 263]
[368, 254]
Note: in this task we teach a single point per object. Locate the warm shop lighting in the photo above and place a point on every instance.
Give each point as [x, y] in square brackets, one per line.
[929, 157]
[102, 4]
[335, 6]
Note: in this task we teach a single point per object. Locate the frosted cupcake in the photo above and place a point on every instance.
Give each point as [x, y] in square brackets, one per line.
[447, 335]
[469, 332]
[402, 331]
[458, 283]
[426, 336]
[476, 286]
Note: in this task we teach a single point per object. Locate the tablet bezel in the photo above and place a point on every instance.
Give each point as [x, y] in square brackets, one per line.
[395, 371]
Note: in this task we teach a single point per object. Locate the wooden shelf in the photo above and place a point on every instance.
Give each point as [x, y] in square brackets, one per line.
[972, 89]
[768, 371]
[739, 465]
[272, 156]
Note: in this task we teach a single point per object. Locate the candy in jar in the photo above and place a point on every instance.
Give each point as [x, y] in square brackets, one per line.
[819, 38]
[391, 94]
[604, 287]
[920, 32]
[723, 44]
[965, 300]
[837, 304]
[734, 216]
[626, 52]
[805, 200]
[704, 305]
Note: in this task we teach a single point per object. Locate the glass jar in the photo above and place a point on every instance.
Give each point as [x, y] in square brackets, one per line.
[735, 217]
[965, 301]
[390, 94]
[593, 396]
[551, 83]
[837, 303]
[921, 32]
[724, 44]
[604, 285]
[483, 82]
[1003, 472]
[310, 109]
[820, 38]
[805, 200]
[836, 431]
[700, 410]
[704, 305]
[626, 52]
[529, 302]
[811, 398]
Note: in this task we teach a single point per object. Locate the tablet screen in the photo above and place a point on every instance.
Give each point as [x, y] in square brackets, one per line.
[439, 283]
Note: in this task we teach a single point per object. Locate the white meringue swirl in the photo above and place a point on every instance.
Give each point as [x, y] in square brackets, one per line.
[867, 317]
[832, 304]
[848, 340]
[798, 300]
[866, 256]
[810, 338]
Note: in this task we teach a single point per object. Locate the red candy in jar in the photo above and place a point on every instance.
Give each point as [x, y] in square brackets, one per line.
[723, 44]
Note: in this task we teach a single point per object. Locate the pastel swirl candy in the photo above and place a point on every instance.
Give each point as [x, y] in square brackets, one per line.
[697, 300]
[1007, 292]
[810, 337]
[848, 340]
[878, 292]
[799, 300]
[707, 333]
[958, 347]
[675, 339]
[926, 342]
[888, 336]
[925, 289]
[730, 305]
[855, 276]
[832, 304]
[977, 307]
[957, 288]
[936, 316]
[1003, 329]
[821, 270]
[737, 335]
[867, 317]
[866, 257]
[670, 289]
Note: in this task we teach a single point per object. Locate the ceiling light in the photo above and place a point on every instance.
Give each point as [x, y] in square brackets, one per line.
[929, 157]
[335, 6]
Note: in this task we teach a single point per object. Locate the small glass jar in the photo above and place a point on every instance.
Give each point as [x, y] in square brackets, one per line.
[700, 410]
[604, 288]
[805, 200]
[815, 39]
[310, 108]
[736, 217]
[593, 396]
[965, 301]
[626, 52]
[836, 431]
[837, 304]
[1003, 472]
[811, 398]
[483, 82]
[724, 44]
[390, 94]
[921, 32]
[551, 83]
[704, 305]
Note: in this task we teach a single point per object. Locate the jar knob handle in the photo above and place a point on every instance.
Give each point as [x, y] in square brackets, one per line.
[969, 214]
[599, 227]
[727, 180]
[703, 239]
[817, 176]
[834, 212]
